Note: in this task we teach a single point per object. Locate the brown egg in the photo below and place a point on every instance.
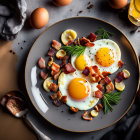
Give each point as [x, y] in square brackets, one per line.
[61, 2]
[39, 18]
[117, 4]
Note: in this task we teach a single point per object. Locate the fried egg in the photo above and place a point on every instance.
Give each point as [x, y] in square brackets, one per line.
[78, 90]
[105, 54]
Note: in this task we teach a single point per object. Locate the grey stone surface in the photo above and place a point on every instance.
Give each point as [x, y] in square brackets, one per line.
[28, 35]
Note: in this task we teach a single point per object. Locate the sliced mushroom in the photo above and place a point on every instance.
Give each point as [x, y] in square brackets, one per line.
[60, 54]
[126, 73]
[94, 113]
[73, 109]
[86, 116]
[47, 84]
[120, 86]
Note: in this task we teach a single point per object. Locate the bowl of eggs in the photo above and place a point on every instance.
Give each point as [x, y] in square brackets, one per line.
[75, 68]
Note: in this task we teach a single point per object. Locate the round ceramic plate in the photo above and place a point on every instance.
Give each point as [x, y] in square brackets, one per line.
[61, 116]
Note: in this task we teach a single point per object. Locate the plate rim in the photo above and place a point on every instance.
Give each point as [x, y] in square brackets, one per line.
[134, 52]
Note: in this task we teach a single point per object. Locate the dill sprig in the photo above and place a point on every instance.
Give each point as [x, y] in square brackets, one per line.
[74, 50]
[103, 34]
[109, 99]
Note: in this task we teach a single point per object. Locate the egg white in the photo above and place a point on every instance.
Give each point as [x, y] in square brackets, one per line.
[87, 103]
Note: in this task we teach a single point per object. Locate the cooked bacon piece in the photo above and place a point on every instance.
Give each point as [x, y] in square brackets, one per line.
[102, 82]
[98, 94]
[57, 102]
[86, 71]
[92, 37]
[96, 108]
[64, 99]
[53, 87]
[50, 61]
[73, 109]
[85, 116]
[51, 52]
[86, 42]
[106, 73]
[64, 60]
[109, 87]
[55, 77]
[119, 77]
[56, 45]
[69, 68]
[95, 78]
[43, 75]
[96, 69]
[120, 63]
[41, 63]
[56, 95]
[100, 87]
[69, 42]
[55, 67]
[107, 80]
[100, 106]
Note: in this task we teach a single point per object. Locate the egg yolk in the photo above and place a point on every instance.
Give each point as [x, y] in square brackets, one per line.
[105, 57]
[80, 63]
[78, 89]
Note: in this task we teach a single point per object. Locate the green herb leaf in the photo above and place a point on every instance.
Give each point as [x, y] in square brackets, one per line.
[108, 99]
[74, 50]
[103, 34]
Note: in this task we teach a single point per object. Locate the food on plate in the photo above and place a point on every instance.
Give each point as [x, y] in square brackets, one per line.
[61, 2]
[120, 86]
[47, 83]
[82, 72]
[39, 18]
[68, 36]
[60, 54]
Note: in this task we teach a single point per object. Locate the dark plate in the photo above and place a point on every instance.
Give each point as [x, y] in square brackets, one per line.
[61, 117]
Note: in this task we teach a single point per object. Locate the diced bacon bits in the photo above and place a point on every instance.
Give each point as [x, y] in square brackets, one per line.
[98, 94]
[120, 63]
[53, 87]
[107, 80]
[69, 42]
[119, 77]
[64, 60]
[50, 61]
[43, 75]
[86, 42]
[92, 37]
[106, 73]
[57, 102]
[102, 82]
[69, 69]
[100, 87]
[60, 54]
[56, 95]
[51, 52]
[126, 73]
[73, 109]
[64, 99]
[100, 106]
[55, 67]
[41, 63]
[109, 87]
[86, 116]
[56, 45]
[86, 71]
[96, 108]
[55, 77]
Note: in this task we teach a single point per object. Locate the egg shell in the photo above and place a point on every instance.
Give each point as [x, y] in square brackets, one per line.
[61, 2]
[117, 4]
[39, 18]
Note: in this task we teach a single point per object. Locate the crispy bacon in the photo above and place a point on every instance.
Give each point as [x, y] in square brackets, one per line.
[73, 109]
[56, 95]
[53, 87]
[120, 63]
[86, 71]
[56, 45]
[64, 60]
[55, 67]
[102, 82]
[85, 116]
[41, 63]
[64, 99]
[119, 77]
[107, 80]
[86, 42]
[95, 78]
[98, 94]
[51, 52]
[100, 87]
[109, 87]
[100, 106]
[106, 73]
[69, 69]
[92, 37]
[43, 75]
[69, 42]
[55, 77]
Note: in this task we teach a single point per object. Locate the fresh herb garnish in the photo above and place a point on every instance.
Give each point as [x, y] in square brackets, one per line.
[103, 34]
[74, 50]
[108, 99]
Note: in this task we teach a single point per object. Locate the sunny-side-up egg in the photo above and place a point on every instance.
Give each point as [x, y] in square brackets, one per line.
[105, 54]
[78, 90]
